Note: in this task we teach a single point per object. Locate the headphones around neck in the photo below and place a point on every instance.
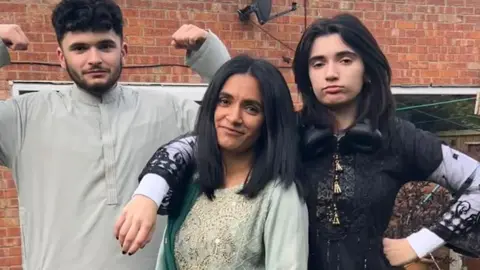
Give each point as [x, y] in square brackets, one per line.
[360, 138]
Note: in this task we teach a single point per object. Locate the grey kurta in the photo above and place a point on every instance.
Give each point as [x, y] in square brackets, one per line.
[75, 160]
[234, 232]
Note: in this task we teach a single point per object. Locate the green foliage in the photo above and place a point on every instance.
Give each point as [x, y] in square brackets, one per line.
[442, 117]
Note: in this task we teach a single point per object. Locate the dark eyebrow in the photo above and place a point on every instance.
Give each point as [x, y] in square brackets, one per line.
[83, 44]
[107, 42]
[245, 101]
[340, 54]
[77, 44]
[253, 102]
[224, 94]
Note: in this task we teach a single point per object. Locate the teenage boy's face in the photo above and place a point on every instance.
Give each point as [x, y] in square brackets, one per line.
[93, 60]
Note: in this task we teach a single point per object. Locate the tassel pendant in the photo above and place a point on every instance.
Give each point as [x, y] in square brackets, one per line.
[336, 188]
[338, 168]
[336, 219]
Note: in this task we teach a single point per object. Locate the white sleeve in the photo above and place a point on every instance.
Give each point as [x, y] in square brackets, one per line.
[154, 187]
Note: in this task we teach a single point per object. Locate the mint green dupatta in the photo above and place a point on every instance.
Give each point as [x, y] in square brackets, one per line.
[174, 224]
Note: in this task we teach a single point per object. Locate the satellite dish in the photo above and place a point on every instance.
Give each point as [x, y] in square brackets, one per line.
[262, 8]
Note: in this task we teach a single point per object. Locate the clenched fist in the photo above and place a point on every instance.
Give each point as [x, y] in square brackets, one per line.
[398, 251]
[189, 37]
[13, 37]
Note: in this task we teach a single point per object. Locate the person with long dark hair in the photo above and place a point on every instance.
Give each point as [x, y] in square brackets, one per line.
[243, 207]
[357, 155]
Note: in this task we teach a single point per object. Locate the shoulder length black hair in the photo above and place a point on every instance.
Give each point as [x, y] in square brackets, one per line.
[376, 101]
[276, 147]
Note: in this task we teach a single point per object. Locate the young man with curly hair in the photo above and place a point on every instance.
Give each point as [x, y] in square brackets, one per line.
[75, 155]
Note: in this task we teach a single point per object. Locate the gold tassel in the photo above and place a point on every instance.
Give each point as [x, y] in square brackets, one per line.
[338, 168]
[336, 188]
[336, 220]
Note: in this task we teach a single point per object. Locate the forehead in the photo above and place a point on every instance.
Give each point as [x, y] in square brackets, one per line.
[242, 86]
[89, 37]
[329, 46]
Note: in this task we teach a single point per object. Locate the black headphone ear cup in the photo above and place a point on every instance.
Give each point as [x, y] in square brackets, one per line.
[361, 138]
[316, 141]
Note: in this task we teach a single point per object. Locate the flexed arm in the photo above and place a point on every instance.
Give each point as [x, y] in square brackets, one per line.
[11, 122]
[11, 36]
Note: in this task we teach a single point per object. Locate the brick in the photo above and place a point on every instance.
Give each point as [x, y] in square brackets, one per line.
[13, 232]
[364, 6]
[465, 11]
[406, 25]
[158, 50]
[43, 47]
[193, 6]
[474, 66]
[460, 3]
[374, 15]
[12, 202]
[139, 22]
[155, 14]
[417, 2]
[167, 24]
[15, 251]
[468, 28]
[472, 19]
[10, 193]
[10, 7]
[436, 2]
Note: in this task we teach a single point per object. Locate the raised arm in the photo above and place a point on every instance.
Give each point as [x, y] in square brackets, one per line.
[11, 125]
[11, 36]
[205, 51]
[425, 157]
[4, 56]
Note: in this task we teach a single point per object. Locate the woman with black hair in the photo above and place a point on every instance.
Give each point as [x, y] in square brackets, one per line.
[242, 207]
[357, 155]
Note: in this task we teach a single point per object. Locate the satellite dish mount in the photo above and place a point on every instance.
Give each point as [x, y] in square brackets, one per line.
[262, 8]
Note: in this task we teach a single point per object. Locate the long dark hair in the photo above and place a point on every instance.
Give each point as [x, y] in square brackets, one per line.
[376, 101]
[276, 148]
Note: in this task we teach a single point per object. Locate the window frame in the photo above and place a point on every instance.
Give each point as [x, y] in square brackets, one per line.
[183, 90]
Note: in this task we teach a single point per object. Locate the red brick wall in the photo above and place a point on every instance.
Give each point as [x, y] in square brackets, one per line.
[427, 42]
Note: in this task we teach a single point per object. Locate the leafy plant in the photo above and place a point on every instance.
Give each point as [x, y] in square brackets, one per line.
[418, 205]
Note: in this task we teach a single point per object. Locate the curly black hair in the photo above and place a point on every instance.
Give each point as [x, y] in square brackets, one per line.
[87, 15]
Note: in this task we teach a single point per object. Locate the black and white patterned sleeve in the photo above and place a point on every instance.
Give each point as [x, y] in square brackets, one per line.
[460, 224]
[173, 162]
[424, 157]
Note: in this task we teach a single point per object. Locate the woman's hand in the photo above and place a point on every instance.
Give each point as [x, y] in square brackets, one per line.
[398, 251]
[135, 226]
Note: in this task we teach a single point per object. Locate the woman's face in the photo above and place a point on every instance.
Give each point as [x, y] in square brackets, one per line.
[336, 72]
[239, 114]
